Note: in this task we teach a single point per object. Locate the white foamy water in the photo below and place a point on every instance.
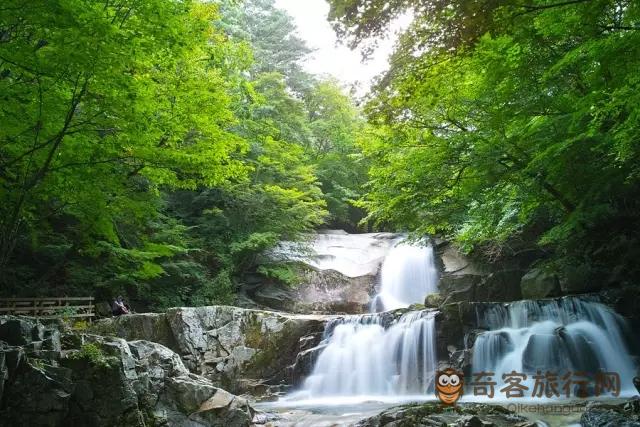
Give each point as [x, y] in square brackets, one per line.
[561, 336]
[408, 274]
[373, 358]
[362, 357]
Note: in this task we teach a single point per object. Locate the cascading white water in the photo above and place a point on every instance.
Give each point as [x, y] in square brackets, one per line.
[408, 274]
[363, 356]
[566, 335]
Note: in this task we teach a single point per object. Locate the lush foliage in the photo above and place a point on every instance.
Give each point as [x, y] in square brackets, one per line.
[155, 147]
[509, 124]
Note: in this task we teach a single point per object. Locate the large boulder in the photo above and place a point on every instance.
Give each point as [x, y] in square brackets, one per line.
[19, 331]
[148, 326]
[500, 286]
[175, 392]
[319, 291]
[579, 279]
[436, 414]
[458, 287]
[539, 283]
[603, 414]
[463, 279]
[454, 263]
[37, 396]
[231, 346]
[624, 301]
[455, 323]
[337, 273]
[107, 381]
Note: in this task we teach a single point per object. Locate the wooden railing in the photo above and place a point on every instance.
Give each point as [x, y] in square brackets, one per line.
[49, 308]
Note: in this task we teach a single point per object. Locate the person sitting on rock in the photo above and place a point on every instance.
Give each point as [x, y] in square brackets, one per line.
[119, 308]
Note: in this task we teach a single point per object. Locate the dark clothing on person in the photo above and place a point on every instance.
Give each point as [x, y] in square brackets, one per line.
[118, 308]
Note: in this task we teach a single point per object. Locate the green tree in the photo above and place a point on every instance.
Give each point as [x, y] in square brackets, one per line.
[103, 105]
[271, 33]
[522, 127]
[337, 128]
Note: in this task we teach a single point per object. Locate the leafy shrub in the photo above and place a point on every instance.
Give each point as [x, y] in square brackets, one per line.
[91, 353]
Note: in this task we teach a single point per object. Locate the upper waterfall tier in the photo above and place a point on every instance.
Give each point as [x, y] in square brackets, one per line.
[408, 274]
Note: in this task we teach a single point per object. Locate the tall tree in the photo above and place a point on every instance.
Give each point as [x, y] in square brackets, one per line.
[103, 104]
[516, 123]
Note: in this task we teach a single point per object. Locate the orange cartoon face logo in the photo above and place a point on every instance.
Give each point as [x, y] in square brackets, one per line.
[449, 386]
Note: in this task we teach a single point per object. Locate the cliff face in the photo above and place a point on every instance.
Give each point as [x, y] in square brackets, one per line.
[337, 273]
[239, 349]
[48, 378]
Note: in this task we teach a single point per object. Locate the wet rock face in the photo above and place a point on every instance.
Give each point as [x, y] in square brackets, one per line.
[435, 414]
[337, 273]
[311, 347]
[100, 381]
[235, 348]
[462, 279]
[600, 414]
[539, 283]
[320, 291]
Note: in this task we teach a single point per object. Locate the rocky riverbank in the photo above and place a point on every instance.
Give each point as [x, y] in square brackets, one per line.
[241, 350]
[54, 377]
[210, 366]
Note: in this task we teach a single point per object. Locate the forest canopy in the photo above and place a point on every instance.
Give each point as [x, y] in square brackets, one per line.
[157, 148]
[154, 148]
[509, 125]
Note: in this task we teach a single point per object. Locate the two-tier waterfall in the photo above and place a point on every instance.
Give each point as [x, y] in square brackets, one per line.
[372, 355]
[363, 357]
[392, 354]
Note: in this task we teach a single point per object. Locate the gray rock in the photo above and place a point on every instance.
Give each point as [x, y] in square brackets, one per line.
[539, 283]
[206, 404]
[600, 414]
[52, 340]
[18, 331]
[500, 286]
[149, 326]
[434, 414]
[228, 345]
[103, 309]
[38, 396]
[111, 383]
[579, 279]
[454, 262]
[319, 291]
[303, 366]
[433, 300]
[470, 421]
[10, 360]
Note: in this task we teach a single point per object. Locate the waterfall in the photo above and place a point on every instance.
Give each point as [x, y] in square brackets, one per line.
[362, 357]
[407, 275]
[367, 355]
[561, 336]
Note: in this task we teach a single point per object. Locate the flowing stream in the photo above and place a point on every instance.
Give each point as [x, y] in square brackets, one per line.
[390, 357]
